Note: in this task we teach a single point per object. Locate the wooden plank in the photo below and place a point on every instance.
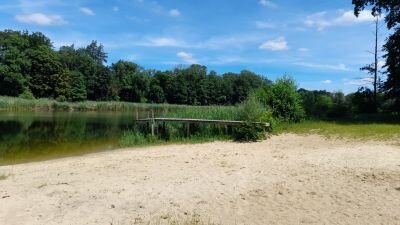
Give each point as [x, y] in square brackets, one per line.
[187, 120]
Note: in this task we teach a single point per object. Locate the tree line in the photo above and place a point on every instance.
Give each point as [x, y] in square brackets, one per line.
[31, 68]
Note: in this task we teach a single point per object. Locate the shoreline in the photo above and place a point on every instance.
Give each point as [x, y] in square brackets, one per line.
[286, 179]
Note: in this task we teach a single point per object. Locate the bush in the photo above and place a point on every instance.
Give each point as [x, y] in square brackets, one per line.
[283, 99]
[134, 138]
[252, 111]
[249, 132]
[27, 94]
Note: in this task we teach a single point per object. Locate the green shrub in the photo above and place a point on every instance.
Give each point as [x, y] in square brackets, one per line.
[27, 94]
[135, 138]
[253, 112]
[249, 132]
[130, 138]
[283, 99]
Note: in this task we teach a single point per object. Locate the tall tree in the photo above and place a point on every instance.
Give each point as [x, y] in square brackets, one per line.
[14, 64]
[391, 9]
[96, 51]
[372, 69]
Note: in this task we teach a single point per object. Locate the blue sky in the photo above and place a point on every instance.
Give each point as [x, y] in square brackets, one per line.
[319, 43]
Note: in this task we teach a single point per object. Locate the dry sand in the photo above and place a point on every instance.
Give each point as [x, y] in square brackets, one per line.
[288, 179]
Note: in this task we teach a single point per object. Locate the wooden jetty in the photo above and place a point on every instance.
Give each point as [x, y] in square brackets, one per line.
[188, 121]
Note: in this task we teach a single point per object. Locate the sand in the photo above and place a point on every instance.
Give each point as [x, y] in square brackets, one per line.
[287, 179]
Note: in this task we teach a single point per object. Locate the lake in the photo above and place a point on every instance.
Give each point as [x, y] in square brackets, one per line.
[45, 135]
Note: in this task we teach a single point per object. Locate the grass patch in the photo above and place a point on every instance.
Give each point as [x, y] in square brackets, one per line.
[374, 131]
[3, 176]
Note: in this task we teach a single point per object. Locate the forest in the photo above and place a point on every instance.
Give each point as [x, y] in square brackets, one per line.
[31, 68]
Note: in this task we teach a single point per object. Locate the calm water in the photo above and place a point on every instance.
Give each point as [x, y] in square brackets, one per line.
[38, 136]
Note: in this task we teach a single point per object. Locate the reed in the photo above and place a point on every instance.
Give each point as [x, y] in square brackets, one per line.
[13, 104]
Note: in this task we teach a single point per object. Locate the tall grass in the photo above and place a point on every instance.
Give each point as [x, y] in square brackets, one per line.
[205, 112]
[249, 111]
[19, 105]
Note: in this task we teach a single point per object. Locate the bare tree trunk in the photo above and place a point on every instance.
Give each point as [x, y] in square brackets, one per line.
[376, 64]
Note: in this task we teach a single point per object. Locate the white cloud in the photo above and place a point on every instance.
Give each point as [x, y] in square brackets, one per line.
[40, 19]
[346, 18]
[264, 25]
[213, 43]
[187, 57]
[278, 44]
[174, 13]
[339, 67]
[349, 17]
[115, 8]
[225, 60]
[327, 82]
[358, 82]
[164, 42]
[87, 11]
[267, 3]
[303, 50]
[381, 64]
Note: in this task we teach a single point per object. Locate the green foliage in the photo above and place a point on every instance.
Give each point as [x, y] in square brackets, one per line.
[77, 90]
[391, 11]
[27, 94]
[28, 62]
[249, 132]
[283, 99]
[363, 101]
[392, 85]
[156, 94]
[96, 52]
[135, 138]
[252, 111]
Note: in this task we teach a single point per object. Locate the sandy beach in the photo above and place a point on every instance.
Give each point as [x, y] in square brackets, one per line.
[287, 179]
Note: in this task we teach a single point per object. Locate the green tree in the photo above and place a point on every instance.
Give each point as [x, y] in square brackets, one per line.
[166, 81]
[156, 93]
[14, 63]
[99, 87]
[285, 101]
[77, 86]
[391, 10]
[96, 51]
[45, 71]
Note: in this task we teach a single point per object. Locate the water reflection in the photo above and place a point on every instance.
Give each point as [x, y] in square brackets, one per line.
[36, 136]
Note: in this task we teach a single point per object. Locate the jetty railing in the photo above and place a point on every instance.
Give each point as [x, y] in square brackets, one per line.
[188, 121]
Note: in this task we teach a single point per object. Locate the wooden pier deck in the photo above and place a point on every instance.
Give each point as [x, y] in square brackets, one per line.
[204, 121]
[189, 121]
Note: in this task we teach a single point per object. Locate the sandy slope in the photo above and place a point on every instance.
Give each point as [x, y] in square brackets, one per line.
[287, 179]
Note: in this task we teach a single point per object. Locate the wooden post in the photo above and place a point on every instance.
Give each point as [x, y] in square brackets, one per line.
[188, 129]
[152, 127]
